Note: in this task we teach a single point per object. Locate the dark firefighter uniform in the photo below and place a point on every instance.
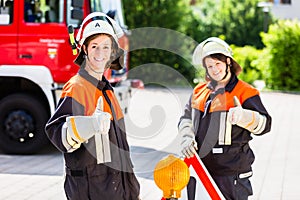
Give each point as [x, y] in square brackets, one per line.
[85, 179]
[223, 147]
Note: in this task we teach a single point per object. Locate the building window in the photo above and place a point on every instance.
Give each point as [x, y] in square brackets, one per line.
[6, 12]
[41, 11]
[277, 2]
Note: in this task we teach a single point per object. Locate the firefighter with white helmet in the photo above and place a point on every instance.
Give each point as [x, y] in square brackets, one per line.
[211, 46]
[220, 119]
[88, 124]
[100, 23]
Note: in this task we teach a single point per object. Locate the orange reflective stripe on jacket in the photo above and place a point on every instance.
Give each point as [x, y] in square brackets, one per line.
[222, 102]
[87, 94]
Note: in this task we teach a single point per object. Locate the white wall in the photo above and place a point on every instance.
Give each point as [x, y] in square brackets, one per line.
[287, 11]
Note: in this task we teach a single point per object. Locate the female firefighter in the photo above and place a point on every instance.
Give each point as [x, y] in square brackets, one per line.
[88, 124]
[220, 119]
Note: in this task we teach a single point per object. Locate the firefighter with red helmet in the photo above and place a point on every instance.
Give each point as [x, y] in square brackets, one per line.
[220, 119]
[88, 124]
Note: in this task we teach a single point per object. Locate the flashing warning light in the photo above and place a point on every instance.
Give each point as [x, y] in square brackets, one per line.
[171, 175]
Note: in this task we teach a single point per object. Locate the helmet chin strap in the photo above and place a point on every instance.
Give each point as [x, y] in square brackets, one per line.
[227, 69]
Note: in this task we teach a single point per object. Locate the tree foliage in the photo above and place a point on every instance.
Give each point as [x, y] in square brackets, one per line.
[239, 22]
[282, 43]
[157, 29]
[247, 57]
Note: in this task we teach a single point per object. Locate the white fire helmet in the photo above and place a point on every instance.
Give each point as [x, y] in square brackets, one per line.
[97, 23]
[214, 45]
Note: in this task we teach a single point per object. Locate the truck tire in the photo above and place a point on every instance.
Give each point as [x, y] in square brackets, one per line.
[22, 122]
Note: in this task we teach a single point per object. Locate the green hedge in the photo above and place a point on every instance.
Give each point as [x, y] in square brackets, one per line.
[247, 57]
[282, 43]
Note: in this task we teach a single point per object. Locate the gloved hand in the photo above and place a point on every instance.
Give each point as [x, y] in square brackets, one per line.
[188, 143]
[102, 117]
[82, 128]
[244, 118]
[102, 140]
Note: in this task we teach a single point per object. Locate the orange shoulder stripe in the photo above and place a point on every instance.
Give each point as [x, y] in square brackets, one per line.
[222, 102]
[115, 104]
[87, 95]
[200, 94]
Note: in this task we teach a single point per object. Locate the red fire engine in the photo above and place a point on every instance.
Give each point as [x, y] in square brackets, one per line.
[36, 60]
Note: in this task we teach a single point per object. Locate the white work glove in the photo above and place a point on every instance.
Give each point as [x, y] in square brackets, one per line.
[244, 118]
[82, 128]
[188, 143]
[102, 140]
[102, 117]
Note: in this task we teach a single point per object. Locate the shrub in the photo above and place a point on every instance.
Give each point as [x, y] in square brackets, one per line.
[247, 58]
[282, 42]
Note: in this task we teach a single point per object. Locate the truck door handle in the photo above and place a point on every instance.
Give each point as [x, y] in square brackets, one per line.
[29, 56]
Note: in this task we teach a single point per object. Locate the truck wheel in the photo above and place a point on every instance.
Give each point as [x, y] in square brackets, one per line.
[22, 122]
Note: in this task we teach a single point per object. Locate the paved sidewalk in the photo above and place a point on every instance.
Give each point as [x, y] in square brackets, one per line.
[276, 169]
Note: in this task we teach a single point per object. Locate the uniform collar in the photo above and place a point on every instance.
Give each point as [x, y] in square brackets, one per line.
[228, 88]
[99, 84]
[232, 83]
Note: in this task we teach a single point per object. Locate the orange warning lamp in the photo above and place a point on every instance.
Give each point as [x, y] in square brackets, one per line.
[171, 175]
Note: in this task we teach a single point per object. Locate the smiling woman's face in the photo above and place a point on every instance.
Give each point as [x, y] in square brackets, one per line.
[98, 52]
[215, 68]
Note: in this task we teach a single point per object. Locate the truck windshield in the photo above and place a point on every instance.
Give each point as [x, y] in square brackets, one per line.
[41, 11]
[6, 12]
[114, 9]
[95, 6]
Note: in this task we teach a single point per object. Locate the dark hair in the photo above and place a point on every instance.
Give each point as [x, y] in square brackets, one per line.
[217, 56]
[88, 39]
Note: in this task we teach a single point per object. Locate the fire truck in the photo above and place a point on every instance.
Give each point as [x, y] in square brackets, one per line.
[36, 60]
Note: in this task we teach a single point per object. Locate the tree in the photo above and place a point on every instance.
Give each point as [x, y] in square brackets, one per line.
[152, 41]
[157, 29]
[239, 22]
